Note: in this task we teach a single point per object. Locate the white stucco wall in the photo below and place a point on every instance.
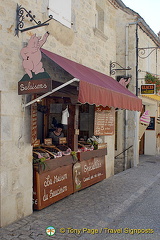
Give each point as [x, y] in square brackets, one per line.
[109, 159]
[150, 135]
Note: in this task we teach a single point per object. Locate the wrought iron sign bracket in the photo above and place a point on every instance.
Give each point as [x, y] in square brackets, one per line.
[142, 51]
[21, 14]
[113, 68]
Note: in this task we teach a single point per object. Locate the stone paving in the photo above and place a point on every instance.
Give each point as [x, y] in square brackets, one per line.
[95, 212]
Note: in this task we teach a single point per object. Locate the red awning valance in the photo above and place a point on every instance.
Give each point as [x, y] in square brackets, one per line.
[97, 88]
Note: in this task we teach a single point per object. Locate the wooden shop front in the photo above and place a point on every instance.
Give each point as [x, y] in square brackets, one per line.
[82, 92]
[63, 177]
[59, 177]
[68, 93]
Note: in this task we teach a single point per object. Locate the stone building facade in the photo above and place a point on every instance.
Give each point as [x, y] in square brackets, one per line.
[95, 37]
[85, 42]
[134, 40]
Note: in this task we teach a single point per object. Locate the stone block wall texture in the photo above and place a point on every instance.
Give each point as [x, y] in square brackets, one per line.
[126, 29]
[122, 21]
[83, 44]
[15, 147]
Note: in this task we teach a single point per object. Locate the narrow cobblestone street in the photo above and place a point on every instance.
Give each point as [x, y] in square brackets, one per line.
[125, 206]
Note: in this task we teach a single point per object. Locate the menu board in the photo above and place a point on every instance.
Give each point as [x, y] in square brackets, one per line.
[104, 121]
[152, 124]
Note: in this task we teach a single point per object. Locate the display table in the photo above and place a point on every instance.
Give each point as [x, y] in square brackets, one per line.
[62, 177]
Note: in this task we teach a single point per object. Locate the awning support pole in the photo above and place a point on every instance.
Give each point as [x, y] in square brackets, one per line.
[54, 90]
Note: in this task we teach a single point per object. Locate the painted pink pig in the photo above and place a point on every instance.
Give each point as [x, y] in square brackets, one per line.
[123, 82]
[32, 55]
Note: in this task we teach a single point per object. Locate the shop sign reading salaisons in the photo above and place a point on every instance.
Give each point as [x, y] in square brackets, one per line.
[34, 86]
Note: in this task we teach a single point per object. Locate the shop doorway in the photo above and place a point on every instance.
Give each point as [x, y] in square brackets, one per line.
[142, 141]
[141, 145]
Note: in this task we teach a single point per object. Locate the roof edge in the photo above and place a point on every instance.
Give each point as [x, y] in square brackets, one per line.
[141, 22]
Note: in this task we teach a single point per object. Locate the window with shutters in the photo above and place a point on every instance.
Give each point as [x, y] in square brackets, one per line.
[61, 11]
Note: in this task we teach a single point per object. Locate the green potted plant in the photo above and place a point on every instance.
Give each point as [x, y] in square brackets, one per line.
[151, 79]
[40, 160]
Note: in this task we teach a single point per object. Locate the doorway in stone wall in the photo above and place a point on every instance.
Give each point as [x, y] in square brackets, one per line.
[142, 141]
[141, 145]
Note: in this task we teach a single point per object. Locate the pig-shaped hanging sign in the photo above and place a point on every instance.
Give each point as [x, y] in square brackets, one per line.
[32, 55]
[125, 81]
[36, 80]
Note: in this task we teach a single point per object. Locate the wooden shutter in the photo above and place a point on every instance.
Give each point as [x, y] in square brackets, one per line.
[61, 11]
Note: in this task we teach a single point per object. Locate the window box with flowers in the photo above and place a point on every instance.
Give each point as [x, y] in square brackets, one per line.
[152, 79]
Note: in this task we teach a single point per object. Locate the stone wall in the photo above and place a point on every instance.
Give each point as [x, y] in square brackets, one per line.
[82, 43]
[15, 148]
[126, 56]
